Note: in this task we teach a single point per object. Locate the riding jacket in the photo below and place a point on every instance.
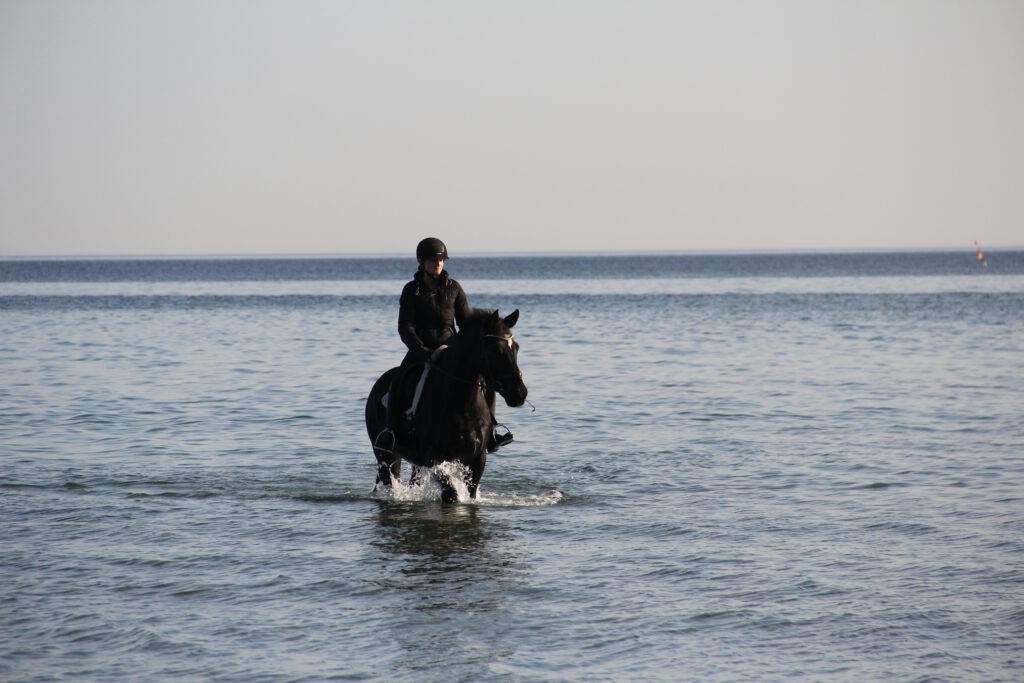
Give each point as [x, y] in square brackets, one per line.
[429, 310]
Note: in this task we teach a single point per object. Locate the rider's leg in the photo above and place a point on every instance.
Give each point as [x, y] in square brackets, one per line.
[385, 441]
[387, 438]
[496, 440]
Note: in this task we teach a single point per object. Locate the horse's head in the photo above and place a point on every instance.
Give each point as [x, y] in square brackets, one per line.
[500, 358]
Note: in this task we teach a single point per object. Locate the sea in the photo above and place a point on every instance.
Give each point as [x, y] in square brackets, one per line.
[733, 467]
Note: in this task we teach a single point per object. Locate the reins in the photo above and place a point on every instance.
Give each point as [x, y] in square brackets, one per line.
[452, 375]
[495, 382]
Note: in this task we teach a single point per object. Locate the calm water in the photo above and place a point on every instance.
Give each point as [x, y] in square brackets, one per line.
[740, 467]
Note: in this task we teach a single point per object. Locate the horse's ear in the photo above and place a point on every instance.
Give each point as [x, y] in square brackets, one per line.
[512, 318]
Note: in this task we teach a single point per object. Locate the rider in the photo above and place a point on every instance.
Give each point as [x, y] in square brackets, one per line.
[431, 305]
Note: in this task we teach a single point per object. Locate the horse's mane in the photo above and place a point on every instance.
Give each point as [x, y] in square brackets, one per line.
[475, 324]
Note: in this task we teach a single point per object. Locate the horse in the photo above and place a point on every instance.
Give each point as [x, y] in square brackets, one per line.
[453, 420]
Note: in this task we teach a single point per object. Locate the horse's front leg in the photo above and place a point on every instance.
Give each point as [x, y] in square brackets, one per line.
[432, 458]
[475, 473]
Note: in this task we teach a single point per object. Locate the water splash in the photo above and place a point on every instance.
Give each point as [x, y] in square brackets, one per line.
[429, 490]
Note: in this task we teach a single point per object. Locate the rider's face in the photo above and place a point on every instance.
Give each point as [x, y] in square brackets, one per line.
[433, 266]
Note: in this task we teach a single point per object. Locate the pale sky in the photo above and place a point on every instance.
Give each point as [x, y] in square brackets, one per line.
[134, 127]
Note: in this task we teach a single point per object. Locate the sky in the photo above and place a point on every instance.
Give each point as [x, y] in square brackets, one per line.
[151, 127]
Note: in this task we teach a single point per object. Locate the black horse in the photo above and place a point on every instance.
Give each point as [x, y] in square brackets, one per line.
[453, 419]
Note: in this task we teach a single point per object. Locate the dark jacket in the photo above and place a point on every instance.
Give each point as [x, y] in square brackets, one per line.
[429, 310]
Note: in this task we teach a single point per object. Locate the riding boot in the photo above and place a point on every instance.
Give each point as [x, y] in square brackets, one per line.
[496, 440]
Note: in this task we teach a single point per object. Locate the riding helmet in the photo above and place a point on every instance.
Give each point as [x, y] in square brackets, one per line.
[431, 247]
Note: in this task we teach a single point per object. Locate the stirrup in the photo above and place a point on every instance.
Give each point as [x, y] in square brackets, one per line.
[499, 440]
[386, 432]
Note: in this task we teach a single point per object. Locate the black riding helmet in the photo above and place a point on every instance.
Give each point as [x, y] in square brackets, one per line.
[431, 247]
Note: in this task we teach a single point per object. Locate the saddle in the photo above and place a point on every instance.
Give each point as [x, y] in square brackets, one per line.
[402, 400]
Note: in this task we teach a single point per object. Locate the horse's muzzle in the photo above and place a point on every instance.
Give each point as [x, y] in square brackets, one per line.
[514, 396]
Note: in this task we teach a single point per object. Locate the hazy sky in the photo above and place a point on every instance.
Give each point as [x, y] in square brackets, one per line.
[334, 126]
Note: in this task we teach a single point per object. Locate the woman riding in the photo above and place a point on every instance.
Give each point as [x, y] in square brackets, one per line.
[431, 305]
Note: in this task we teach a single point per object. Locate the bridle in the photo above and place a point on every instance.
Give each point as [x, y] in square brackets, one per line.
[497, 380]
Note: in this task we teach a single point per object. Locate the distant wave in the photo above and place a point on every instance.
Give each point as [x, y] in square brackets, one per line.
[534, 286]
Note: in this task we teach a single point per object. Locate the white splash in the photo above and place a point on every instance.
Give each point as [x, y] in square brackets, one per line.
[430, 490]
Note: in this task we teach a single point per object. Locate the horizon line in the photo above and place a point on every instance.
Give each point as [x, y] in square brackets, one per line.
[507, 254]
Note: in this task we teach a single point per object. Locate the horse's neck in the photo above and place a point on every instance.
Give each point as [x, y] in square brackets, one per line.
[458, 362]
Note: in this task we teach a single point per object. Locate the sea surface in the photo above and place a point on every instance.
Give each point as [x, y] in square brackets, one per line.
[734, 467]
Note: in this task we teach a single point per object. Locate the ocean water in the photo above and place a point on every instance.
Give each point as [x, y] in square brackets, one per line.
[736, 467]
